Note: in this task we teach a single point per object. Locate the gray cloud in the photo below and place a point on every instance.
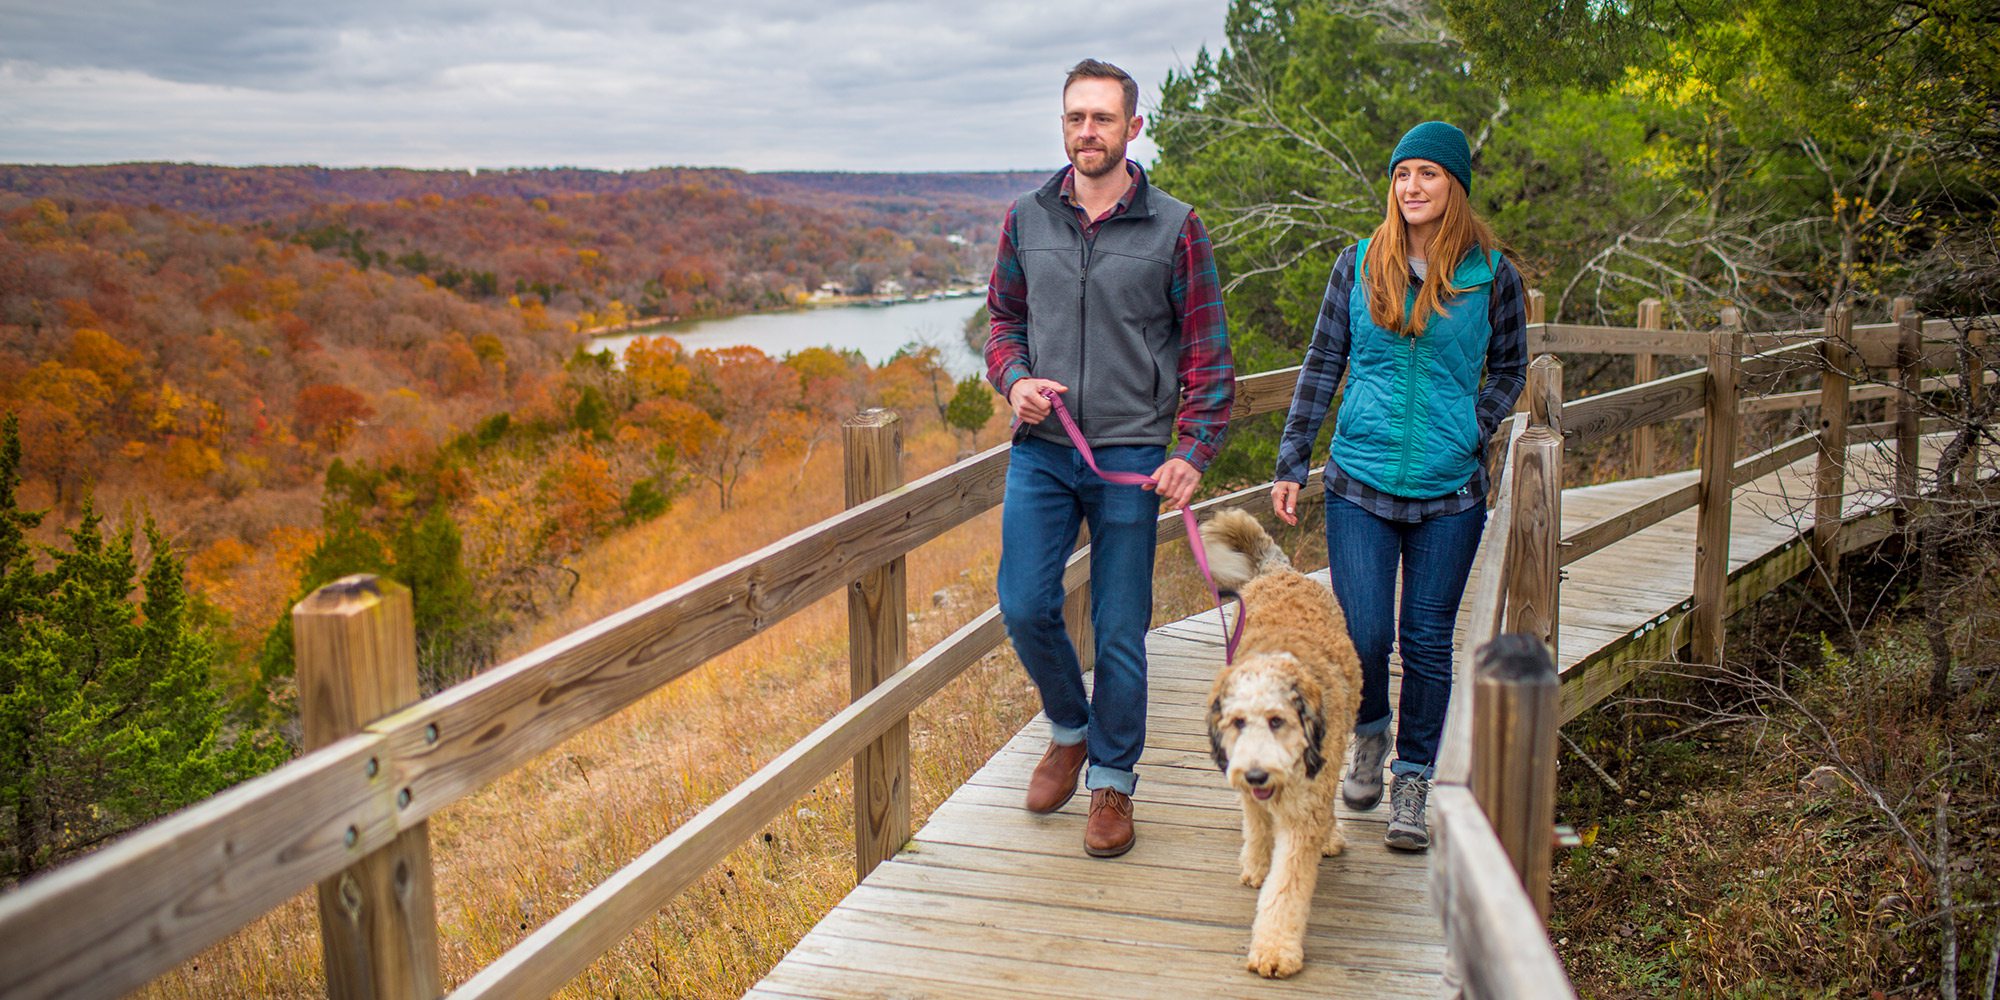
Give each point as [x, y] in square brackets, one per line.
[892, 85]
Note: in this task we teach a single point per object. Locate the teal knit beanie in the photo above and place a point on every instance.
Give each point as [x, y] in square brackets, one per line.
[1441, 143]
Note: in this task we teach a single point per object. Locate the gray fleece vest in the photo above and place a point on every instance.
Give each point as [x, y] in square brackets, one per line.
[1101, 318]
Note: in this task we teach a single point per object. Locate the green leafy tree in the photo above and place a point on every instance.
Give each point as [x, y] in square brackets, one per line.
[971, 406]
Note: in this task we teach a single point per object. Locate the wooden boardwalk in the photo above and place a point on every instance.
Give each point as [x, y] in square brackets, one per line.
[988, 900]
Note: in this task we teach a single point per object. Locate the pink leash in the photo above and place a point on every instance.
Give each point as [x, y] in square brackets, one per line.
[1229, 637]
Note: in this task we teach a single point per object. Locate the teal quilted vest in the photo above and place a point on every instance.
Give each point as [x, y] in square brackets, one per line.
[1408, 423]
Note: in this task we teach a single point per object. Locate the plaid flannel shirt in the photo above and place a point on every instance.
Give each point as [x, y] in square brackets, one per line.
[1326, 362]
[1207, 372]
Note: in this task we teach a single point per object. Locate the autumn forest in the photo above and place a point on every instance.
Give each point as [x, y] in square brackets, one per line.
[225, 387]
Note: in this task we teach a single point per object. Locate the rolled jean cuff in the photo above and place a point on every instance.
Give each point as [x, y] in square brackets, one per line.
[1375, 728]
[1066, 736]
[1400, 766]
[1100, 776]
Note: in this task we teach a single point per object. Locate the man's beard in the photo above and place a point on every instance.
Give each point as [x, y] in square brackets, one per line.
[1113, 159]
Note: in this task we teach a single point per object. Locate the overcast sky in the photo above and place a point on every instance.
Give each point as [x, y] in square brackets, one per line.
[758, 84]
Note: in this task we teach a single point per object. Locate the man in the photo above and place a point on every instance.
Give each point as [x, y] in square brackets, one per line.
[1105, 293]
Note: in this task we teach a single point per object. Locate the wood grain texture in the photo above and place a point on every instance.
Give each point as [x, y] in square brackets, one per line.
[1490, 924]
[1514, 754]
[1718, 459]
[877, 645]
[111, 921]
[1620, 410]
[1264, 392]
[1533, 558]
[1622, 524]
[355, 647]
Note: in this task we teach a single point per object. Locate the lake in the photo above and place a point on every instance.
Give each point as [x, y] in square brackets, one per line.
[878, 332]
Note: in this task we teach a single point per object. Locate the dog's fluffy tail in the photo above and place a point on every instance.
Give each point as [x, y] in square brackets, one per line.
[1239, 549]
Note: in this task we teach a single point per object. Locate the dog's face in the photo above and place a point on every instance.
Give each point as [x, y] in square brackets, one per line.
[1265, 726]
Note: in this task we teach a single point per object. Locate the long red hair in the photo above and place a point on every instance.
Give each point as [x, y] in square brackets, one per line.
[1387, 268]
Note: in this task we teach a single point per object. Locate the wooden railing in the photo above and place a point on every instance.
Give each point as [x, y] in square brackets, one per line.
[1493, 799]
[349, 815]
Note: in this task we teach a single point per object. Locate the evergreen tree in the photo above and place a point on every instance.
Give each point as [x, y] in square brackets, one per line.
[108, 717]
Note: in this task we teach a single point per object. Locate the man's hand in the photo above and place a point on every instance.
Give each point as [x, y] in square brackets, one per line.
[1285, 501]
[1177, 480]
[1026, 398]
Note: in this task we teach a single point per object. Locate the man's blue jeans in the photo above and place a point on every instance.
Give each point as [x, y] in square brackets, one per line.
[1363, 554]
[1049, 493]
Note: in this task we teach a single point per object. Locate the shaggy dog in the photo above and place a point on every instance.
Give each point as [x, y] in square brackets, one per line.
[1276, 718]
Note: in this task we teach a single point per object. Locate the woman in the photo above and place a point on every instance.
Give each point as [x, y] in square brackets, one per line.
[1413, 316]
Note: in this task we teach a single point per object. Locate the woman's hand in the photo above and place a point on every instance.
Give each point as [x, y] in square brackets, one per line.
[1285, 501]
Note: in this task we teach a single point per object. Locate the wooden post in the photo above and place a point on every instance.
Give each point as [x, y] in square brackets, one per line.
[1975, 394]
[877, 647]
[1514, 723]
[1718, 460]
[1909, 377]
[1537, 306]
[1900, 306]
[1831, 482]
[1534, 558]
[1645, 368]
[355, 650]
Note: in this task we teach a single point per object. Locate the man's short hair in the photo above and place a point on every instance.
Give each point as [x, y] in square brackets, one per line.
[1097, 69]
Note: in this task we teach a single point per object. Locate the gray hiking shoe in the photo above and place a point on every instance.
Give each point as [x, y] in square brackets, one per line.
[1361, 787]
[1407, 831]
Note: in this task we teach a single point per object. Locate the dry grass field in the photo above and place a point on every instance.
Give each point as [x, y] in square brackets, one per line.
[515, 854]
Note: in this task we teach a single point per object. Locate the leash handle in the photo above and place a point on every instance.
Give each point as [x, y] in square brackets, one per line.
[1229, 637]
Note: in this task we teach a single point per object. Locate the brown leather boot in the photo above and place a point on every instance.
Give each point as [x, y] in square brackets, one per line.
[1108, 833]
[1054, 780]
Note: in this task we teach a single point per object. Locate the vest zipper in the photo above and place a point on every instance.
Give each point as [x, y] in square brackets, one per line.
[1409, 411]
[1082, 322]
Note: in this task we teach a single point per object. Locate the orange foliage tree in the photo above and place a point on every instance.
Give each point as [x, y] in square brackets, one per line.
[328, 413]
[751, 398]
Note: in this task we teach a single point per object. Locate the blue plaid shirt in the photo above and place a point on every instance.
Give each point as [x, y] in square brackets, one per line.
[1326, 362]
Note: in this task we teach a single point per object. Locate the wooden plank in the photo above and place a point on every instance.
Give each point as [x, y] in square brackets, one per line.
[1514, 754]
[469, 734]
[1264, 392]
[558, 950]
[878, 645]
[1491, 927]
[356, 660]
[1620, 410]
[110, 922]
[1576, 338]
[1718, 459]
[1622, 524]
[1771, 459]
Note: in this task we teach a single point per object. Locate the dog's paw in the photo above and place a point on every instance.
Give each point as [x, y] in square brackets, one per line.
[1276, 961]
[1253, 874]
[1335, 843]
[1256, 864]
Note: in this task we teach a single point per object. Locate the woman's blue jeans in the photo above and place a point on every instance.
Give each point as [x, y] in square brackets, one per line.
[1363, 554]
[1050, 491]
